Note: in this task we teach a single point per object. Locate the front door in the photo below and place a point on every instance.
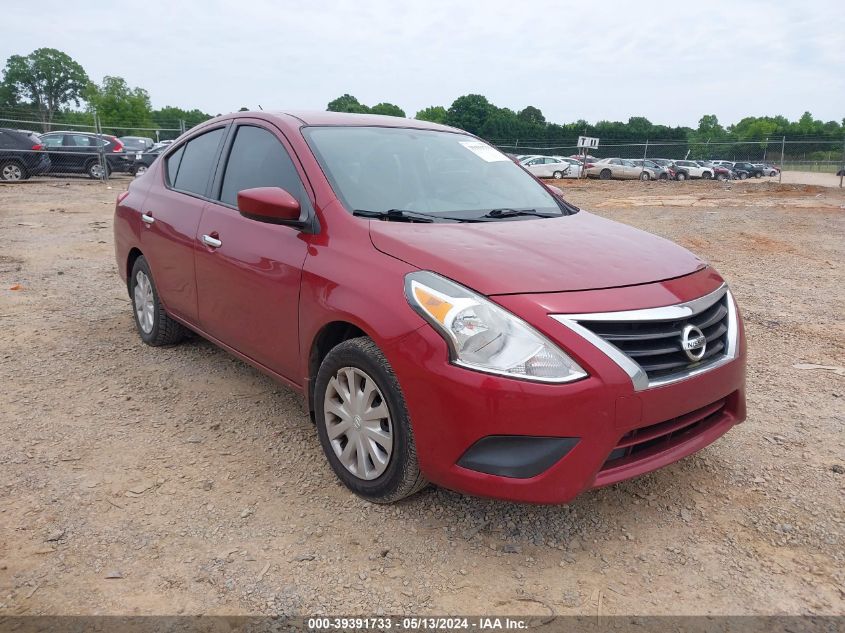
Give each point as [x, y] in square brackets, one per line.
[248, 272]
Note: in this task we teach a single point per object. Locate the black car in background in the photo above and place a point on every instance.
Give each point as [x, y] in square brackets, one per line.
[21, 155]
[749, 169]
[143, 161]
[79, 153]
[136, 144]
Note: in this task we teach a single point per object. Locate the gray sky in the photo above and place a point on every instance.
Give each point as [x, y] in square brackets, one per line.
[670, 62]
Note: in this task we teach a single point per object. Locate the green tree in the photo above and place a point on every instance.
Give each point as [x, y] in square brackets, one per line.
[470, 112]
[434, 114]
[347, 103]
[387, 108]
[170, 117]
[530, 114]
[121, 109]
[48, 79]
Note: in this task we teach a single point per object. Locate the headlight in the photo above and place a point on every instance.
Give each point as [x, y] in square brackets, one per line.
[485, 337]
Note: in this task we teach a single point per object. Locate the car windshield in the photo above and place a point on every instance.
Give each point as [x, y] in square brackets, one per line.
[378, 169]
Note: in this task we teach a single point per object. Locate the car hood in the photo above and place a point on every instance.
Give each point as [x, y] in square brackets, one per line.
[577, 252]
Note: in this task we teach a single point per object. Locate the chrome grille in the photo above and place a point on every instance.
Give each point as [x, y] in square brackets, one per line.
[656, 345]
[648, 343]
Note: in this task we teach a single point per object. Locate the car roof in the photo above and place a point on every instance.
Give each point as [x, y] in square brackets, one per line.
[322, 118]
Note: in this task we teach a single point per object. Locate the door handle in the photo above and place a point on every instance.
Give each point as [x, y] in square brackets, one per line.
[213, 242]
[147, 218]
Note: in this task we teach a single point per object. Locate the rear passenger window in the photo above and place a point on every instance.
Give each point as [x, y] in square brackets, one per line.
[173, 165]
[258, 159]
[196, 162]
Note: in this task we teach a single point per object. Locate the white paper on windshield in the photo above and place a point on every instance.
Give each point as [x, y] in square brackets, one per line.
[484, 151]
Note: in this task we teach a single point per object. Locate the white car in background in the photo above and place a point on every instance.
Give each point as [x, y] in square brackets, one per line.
[552, 166]
[695, 170]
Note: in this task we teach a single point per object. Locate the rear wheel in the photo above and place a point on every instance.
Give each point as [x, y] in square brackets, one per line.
[363, 423]
[12, 170]
[155, 327]
[95, 170]
[140, 169]
[605, 174]
[743, 175]
[681, 175]
[721, 177]
[758, 174]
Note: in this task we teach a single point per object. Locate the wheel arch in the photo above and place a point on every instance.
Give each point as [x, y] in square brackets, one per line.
[327, 338]
[134, 254]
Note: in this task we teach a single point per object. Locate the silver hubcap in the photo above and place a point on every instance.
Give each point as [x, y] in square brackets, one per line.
[12, 172]
[144, 304]
[358, 423]
[141, 169]
[97, 171]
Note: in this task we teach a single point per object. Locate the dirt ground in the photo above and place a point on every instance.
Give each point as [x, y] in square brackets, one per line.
[162, 481]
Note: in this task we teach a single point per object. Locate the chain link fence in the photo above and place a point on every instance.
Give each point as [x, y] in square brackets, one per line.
[75, 143]
[825, 155]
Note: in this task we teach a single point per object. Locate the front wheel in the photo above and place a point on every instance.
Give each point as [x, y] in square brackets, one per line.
[721, 177]
[743, 175]
[681, 176]
[605, 174]
[706, 175]
[558, 175]
[155, 327]
[645, 176]
[12, 171]
[363, 423]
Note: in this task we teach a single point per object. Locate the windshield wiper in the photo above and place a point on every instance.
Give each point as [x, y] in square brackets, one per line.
[404, 215]
[510, 213]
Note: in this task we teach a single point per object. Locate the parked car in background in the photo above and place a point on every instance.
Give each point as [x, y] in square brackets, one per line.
[619, 168]
[768, 169]
[79, 153]
[694, 170]
[162, 144]
[582, 353]
[21, 155]
[136, 144]
[144, 160]
[658, 172]
[748, 168]
[552, 166]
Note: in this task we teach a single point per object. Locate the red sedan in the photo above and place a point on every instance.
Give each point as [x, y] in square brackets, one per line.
[447, 317]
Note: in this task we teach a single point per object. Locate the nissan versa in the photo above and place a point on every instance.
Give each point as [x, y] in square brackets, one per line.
[448, 317]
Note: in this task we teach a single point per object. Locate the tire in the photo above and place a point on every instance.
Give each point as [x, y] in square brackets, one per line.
[605, 174]
[12, 171]
[721, 177]
[706, 175]
[743, 175]
[663, 176]
[758, 174]
[681, 175]
[154, 325]
[645, 176]
[140, 169]
[399, 476]
[558, 175]
[95, 170]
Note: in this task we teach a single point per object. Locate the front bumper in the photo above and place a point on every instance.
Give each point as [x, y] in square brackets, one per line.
[454, 410]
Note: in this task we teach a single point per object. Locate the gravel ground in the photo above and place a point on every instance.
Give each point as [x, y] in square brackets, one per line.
[161, 481]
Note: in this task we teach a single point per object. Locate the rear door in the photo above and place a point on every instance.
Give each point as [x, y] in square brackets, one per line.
[171, 214]
[60, 159]
[248, 272]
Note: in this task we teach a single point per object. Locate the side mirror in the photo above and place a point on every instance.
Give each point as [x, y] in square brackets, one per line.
[269, 204]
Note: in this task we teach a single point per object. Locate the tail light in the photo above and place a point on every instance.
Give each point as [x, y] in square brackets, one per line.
[118, 146]
[37, 147]
[122, 196]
